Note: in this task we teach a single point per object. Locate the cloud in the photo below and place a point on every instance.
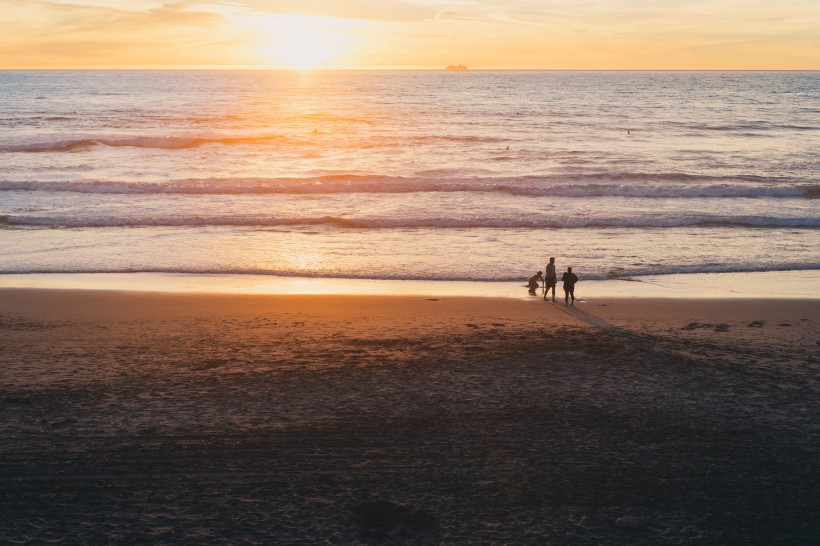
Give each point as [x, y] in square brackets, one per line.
[374, 10]
[480, 33]
[61, 17]
[55, 33]
[175, 14]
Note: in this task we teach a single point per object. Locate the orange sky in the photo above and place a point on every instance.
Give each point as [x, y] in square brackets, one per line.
[488, 34]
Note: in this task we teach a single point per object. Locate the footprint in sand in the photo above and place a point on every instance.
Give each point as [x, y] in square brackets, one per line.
[695, 326]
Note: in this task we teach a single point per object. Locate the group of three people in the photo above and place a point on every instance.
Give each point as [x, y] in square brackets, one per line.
[569, 278]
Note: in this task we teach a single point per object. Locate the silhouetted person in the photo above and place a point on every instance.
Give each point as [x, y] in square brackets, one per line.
[533, 284]
[569, 279]
[551, 279]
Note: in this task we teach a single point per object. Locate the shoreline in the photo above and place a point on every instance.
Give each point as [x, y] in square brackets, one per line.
[798, 285]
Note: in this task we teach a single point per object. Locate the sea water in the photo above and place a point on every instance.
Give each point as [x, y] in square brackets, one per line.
[471, 176]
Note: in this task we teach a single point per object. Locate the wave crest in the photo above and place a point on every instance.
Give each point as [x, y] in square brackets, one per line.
[413, 223]
[634, 274]
[558, 186]
[160, 142]
[179, 142]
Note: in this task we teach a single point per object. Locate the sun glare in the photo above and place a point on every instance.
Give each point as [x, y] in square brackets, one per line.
[305, 42]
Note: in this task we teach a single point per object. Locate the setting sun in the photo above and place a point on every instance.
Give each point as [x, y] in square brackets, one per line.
[305, 42]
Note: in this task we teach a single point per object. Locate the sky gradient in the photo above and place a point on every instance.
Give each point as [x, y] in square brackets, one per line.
[412, 34]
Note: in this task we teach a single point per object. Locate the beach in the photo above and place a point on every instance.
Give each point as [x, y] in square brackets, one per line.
[288, 307]
[214, 418]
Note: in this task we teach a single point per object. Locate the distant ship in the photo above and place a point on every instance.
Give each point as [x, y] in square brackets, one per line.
[456, 67]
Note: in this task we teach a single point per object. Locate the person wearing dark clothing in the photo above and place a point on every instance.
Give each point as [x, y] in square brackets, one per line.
[551, 279]
[533, 284]
[569, 279]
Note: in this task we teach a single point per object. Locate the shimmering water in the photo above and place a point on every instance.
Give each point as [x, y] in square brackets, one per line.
[409, 175]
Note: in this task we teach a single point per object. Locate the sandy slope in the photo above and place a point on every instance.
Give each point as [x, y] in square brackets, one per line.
[162, 418]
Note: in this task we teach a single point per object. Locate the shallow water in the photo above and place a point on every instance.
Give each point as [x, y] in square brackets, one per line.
[803, 285]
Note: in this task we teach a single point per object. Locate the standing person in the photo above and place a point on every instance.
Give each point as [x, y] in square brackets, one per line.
[569, 279]
[534, 280]
[551, 279]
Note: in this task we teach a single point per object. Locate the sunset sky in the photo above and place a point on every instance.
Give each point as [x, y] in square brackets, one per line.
[482, 34]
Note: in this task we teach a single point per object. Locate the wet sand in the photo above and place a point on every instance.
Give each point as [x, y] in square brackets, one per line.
[298, 419]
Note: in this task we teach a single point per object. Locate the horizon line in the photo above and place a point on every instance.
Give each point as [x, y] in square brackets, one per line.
[223, 68]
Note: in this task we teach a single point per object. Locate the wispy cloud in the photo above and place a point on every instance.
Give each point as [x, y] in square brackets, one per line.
[84, 34]
[371, 10]
[479, 33]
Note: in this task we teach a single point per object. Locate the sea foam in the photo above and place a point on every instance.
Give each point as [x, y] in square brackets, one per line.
[560, 186]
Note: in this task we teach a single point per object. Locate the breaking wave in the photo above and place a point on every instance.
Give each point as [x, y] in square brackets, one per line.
[184, 142]
[410, 223]
[588, 185]
[634, 274]
[160, 142]
[747, 126]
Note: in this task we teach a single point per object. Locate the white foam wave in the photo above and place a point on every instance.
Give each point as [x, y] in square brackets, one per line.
[410, 223]
[159, 142]
[748, 126]
[177, 142]
[564, 186]
[589, 274]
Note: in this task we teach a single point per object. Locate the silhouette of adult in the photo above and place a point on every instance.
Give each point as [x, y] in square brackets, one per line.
[550, 279]
[569, 279]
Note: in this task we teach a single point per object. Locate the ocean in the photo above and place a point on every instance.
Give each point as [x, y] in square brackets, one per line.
[470, 176]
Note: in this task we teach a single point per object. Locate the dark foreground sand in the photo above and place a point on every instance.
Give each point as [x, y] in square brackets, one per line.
[168, 419]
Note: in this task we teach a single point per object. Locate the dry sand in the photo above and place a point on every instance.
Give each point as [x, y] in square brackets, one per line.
[163, 418]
